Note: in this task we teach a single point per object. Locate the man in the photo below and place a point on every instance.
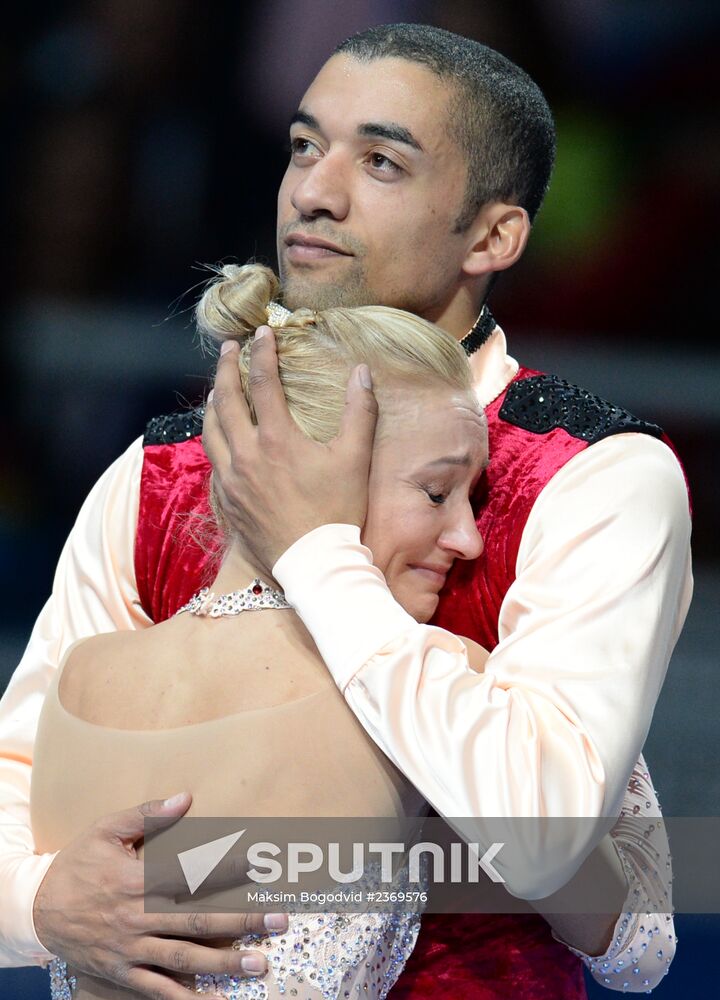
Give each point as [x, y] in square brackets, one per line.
[419, 160]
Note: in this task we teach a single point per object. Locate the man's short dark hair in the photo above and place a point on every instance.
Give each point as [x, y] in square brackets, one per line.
[498, 114]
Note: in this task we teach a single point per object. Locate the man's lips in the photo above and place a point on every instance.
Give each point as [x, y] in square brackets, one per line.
[306, 248]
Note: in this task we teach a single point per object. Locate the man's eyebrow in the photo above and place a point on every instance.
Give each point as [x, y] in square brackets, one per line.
[389, 130]
[375, 130]
[302, 117]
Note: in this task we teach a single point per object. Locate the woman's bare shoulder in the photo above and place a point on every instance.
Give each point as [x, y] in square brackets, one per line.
[104, 644]
[87, 658]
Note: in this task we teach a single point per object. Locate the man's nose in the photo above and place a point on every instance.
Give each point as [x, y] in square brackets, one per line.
[323, 188]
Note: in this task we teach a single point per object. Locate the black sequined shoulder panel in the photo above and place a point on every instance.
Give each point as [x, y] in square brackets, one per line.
[542, 403]
[174, 427]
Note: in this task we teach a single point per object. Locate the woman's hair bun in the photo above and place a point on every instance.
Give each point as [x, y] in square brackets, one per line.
[234, 303]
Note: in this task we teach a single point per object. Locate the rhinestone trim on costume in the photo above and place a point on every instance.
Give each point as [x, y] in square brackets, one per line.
[174, 427]
[256, 597]
[542, 403]
[484, 326]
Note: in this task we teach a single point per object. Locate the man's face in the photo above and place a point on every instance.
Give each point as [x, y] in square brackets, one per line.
[367, 207]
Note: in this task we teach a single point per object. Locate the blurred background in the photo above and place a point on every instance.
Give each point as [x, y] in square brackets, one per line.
[146, 138]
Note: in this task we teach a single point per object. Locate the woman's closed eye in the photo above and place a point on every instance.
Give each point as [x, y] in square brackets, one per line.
[435, 495]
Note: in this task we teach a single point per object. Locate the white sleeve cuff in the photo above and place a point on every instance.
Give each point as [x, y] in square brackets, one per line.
[21, 878]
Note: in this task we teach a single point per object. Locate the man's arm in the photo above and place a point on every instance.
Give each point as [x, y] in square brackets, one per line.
[93, 591]
[86, 902]
[633, 869]
[556, 722]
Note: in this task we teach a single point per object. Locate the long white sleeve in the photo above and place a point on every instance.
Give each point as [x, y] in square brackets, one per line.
[557, 721]
[93, 591]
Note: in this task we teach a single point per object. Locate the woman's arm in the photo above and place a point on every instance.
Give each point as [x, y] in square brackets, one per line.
[589, 933]
[637, 953]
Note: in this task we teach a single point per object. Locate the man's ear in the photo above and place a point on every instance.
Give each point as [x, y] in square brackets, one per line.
[496, 239]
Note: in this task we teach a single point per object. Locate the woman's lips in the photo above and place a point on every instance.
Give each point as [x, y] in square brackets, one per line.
[435, 576]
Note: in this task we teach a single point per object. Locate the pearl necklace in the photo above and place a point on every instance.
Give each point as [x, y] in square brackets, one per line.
[256, 597]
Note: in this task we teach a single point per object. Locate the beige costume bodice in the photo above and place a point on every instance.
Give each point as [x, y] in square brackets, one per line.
[308, 757]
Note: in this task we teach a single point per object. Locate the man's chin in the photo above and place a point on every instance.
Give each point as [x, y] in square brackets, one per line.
[313, 292]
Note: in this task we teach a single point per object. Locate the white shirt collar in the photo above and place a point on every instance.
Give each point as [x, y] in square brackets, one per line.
[492, 367]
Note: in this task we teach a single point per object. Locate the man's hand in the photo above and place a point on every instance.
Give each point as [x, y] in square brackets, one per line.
[273, 483]
[89, 910]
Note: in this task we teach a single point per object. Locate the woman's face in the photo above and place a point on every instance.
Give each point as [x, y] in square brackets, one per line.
[430, 451]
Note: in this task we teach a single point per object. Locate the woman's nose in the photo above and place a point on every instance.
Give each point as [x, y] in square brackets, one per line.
[463, 537]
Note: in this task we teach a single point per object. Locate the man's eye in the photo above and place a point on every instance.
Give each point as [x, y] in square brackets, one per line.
[384, 164]
[302, 147]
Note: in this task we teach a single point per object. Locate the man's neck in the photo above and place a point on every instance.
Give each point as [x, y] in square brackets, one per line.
[458, 316]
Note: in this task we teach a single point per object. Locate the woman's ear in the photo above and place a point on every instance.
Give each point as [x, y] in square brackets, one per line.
[496, 239]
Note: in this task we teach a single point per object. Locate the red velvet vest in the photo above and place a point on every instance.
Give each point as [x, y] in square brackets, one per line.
[536, 426]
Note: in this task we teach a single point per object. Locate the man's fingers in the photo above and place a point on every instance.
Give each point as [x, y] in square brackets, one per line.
[268, 398]
[217, 925]
[228, 399]
[359, 419]
[194, 959]
[166, 878]
[129, 824]
[155, 986]
[215, 444]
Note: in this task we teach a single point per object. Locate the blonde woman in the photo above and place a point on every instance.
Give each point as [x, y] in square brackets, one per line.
[137, 715]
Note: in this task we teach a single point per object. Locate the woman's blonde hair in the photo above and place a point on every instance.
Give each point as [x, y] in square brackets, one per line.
[317, 350]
